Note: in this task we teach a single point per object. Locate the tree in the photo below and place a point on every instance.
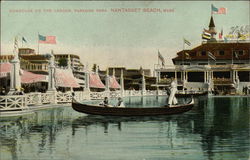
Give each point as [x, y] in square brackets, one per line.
[94, 67]
[62, 62]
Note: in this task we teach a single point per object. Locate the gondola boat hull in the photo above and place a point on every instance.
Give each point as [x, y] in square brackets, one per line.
[116, 111]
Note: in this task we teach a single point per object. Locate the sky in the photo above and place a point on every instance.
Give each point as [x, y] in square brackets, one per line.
[122, 39]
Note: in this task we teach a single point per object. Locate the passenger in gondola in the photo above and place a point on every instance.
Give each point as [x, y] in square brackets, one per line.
[105, 102]
[173, 89]
[120, 102]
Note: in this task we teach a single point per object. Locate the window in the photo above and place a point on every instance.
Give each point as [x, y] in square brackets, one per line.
[185, 63]
[193, 54]
[220, 63]
[203, 53]
[221, 53]
[241, 53]
[238, 53]
[202, 63]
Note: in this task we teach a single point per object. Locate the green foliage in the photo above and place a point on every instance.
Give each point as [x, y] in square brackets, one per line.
[62, 62]
[94, 67]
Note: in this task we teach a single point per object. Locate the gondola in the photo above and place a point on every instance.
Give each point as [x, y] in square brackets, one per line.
[117, 111]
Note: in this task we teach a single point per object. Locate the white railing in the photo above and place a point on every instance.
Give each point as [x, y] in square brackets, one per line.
[38, 98]
[13, 102]
[80, 95]
[64, 97]
[98, 95]
[115, 94]
[33, 98]
[47, 98]
[23, 101]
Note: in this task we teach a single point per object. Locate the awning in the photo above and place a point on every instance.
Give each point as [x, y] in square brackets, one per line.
[29, 77]
[95, 81]
[5, 68]
[113, 83]
[65, 78]
[26, 77]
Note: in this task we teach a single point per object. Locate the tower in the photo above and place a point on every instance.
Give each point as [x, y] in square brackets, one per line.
[212, 30]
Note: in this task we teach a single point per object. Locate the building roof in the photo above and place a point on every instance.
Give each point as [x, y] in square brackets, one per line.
[214, 48]
[36, 57]
[71, 55]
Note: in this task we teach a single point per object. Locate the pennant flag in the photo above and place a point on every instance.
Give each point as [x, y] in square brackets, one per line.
[225, 40]
[47, 39]
[161, 58]
[221, 34]
[24, 40]
[206, 35]
[241, 36]
[221, 10]
[187, 42]
[211, 56]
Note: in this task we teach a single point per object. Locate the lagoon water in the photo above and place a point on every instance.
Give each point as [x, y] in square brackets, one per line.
[216, 128]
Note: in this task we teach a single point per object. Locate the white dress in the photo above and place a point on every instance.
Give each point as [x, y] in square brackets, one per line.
[172, 99]
[121, 105]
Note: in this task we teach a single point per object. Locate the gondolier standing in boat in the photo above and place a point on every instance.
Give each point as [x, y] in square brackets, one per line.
[173, 89]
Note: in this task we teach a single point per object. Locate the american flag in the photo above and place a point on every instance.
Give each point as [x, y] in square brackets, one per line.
[221, 10]
[47, 39]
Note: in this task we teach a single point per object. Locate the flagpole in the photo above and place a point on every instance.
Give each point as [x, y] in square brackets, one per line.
[38, 44]
[207, 59]
[183, 52]
[211, 10]
[158, 58]
[232, 57]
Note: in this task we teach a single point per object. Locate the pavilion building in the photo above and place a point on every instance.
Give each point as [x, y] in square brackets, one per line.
[219, 66]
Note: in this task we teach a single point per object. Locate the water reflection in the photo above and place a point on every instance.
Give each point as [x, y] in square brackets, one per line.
[217, 128]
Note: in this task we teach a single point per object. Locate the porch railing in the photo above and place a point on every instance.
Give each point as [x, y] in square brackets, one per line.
[14, 102]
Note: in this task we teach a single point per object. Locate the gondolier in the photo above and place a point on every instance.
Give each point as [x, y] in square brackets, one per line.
[173, 89]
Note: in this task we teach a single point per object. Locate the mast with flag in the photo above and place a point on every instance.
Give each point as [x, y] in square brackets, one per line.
[23, 40]
[46, 40]
[215, 10]
[221, 34]
[161, 58]
[185, 42]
